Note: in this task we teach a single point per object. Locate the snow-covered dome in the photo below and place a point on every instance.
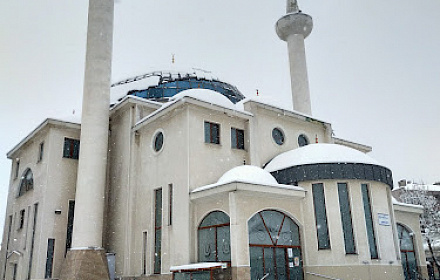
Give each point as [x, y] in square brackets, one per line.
[317, 162]
[248, 174]
[162, 85]
[206, 95]
[318, 153]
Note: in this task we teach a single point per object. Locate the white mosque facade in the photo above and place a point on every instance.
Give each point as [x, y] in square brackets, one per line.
[204, 184]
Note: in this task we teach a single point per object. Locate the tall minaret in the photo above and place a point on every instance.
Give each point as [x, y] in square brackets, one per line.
[293, 28]
[87, 255]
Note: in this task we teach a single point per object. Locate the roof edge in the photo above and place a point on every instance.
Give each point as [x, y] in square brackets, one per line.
[38, 129]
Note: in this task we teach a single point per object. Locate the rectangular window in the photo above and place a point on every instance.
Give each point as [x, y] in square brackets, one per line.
[41, 152]
[144, 253]
[49, 258]
[237, 138]
[170, 214]
[17, 169]
[70, 217]
[71, 148]
[212, 133]
[21, 222]
[157, 230]
[320, 216]
[369, 221]
[31, 252]
[347, 225]
[8, 238]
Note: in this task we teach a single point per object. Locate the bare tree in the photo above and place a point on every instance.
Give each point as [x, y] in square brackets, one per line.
[418, 194]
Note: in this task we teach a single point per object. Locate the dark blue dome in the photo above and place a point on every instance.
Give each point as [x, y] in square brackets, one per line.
[161, 85]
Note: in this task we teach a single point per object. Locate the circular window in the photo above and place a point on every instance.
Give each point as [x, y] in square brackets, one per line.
[278, 136]
[302, 140]
[158, 141]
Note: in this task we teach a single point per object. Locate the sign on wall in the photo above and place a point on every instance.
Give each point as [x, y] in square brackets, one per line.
[384, 219]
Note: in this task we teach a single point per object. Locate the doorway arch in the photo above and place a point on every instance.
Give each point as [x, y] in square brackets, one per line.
[274, 247]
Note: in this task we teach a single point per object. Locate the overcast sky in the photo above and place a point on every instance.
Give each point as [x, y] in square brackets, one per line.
[374, 66]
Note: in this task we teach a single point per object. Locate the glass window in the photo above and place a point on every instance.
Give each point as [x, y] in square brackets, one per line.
[21, 222]
[237, 138]
[27, 182]
[278, 136]
[347, 226]
[158, 141]
[71, 148]
[320, 216]
[49, 258]
[407, 252]
[214, 238]
[70, 217]
[17, 168]
[274, 247]
[41, 152]
[369, 221]
[212, 133]
[158, 231]
[303, 140]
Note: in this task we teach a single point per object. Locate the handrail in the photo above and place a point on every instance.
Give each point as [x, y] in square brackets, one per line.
[265, 276]
[322, 276]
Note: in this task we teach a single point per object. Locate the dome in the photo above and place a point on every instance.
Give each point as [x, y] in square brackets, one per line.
[327, 161]
[248, 174]
[162, 85]
[318, 153]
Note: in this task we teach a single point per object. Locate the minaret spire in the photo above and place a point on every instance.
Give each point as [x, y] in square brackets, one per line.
[293, 28]
[292, 7]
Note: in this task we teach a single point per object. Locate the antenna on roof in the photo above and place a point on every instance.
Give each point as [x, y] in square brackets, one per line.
[172, 58]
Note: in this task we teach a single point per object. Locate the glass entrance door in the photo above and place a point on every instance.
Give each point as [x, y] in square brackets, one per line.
[274, 246]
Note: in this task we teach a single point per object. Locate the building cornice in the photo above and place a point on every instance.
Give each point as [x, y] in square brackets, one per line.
[38, 129]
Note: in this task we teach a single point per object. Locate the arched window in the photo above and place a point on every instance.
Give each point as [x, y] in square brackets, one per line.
[407, 252]
[214, 238]
[274, 247]
[27, 182]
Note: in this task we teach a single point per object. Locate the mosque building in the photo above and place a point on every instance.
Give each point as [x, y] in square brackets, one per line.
[199, 182]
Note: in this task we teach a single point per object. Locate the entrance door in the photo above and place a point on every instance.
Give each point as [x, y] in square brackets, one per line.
[274, 246]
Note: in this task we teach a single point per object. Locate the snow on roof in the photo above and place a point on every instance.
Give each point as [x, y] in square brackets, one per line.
[196, 266]
[206, 95]
[318, 153]
[75, 117]
[419, 186]
[248, 174]
[152, 78]
[396, 202]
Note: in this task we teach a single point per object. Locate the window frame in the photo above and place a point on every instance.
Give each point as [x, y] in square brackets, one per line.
[322, 217]
[158, 216]
[369, 224]
[40, 152]
[282, 134]
[235, 138]
[215, 227]
[346, 215]
[209, 132]
[73, 148]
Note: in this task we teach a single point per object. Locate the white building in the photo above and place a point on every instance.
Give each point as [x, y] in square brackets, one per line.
[209, 185]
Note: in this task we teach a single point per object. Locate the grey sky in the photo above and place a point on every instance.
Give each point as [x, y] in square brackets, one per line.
[374, 66]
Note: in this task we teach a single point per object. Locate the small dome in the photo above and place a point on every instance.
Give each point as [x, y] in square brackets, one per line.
[248, 174]
[318, 153]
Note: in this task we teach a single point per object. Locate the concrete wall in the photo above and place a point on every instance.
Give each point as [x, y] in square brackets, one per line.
[54, 186]
[266, 118]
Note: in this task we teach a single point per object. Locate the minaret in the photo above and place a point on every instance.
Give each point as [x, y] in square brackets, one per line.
[293, 28]
[87, 259]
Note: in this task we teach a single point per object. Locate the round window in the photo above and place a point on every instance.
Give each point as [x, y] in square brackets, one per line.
[158, 141]
[278, 136]
[302, 140]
